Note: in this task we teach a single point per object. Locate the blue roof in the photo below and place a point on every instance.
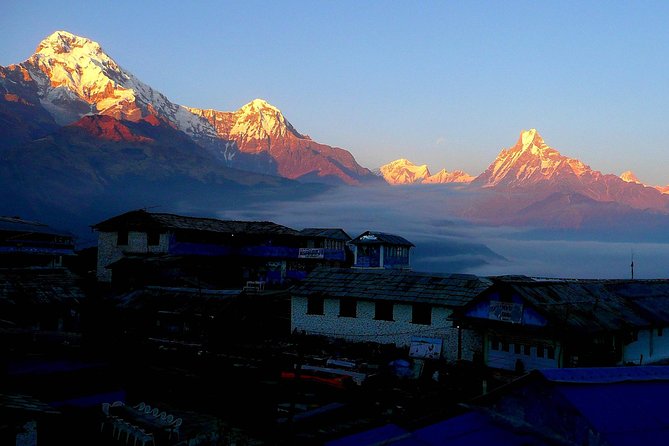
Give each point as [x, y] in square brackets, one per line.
[606, 375]
[473, 428]
[626, 413]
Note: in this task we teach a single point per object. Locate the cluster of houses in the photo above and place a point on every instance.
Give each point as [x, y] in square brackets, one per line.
[181, 280]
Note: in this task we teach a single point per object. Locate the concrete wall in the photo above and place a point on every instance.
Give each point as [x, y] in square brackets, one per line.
[109, 252]
[650, 344]
[364, 328]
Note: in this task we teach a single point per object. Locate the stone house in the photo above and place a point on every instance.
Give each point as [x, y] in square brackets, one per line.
[386, 307]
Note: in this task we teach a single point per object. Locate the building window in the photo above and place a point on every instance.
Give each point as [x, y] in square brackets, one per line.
[494, 343]
[348, 307]
[659, 331]
[540, 351]
[122, 238]
[153, 238]
[421, 314]
[550, 352]
[383, 311]
[527, 350]
[516, 348]
[505, 346]
[315, 305]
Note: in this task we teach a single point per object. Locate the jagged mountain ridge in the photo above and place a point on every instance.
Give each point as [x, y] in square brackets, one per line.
[69, 77]
[403, 171]
[260, 130]
[534, 169]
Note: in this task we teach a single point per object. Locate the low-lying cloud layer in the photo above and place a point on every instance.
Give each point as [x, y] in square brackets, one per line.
[427, 216]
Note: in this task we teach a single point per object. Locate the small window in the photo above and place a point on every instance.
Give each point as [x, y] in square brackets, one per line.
[421, 314]
[550, 352]
[153, 238]
[516, 348]
[315, 305]
[494, 343]
[122, 238]
[527, 350]
[505, 346]
[540, 351]
[348, 307]
[383, 311]
[659, 331]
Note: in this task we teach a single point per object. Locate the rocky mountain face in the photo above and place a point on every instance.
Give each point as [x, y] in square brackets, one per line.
[534, 171]
[403, 171]
[70, 77]
[267, 142]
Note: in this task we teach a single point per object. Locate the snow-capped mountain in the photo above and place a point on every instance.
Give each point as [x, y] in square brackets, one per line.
[444, 177]
[74, 77]
[69, 77]
[629, 177]
[403, 171]
[535, 170]
[267, 142]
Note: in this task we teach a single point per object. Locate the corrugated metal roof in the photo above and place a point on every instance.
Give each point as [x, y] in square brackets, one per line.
[396, 285]
[141, 219]
[377, 238]
[331, 233]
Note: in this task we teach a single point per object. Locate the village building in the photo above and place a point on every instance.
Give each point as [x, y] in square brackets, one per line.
[381, 250]
[527, 323]
[142, 248]
[399, 307]
[28, 244]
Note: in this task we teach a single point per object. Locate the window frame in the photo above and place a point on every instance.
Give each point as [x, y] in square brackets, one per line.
[122, 237]
[348, 307]
[384, 310]
[315, 305]
[421, 313]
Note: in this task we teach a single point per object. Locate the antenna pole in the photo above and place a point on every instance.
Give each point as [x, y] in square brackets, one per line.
[632, 265]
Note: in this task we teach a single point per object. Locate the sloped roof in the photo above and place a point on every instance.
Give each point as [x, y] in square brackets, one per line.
[178, 300]
[627, 405]
[378, 238]
[331, 233]
[16, 224]
[395, 285]
[587, 305]
[39, 286]
[141, 219]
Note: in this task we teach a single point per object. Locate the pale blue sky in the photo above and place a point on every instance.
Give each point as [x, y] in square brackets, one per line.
[443, 83]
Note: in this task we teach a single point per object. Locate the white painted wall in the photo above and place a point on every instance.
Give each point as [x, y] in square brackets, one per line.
[109, 252]
[500, 359]
[649, 344]
[364, 328]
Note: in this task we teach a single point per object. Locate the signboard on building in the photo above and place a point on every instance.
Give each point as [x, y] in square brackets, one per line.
[311, 253]
[425, 348]
[506, 312]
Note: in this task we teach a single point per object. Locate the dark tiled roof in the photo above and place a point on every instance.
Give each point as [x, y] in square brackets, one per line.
[178, 300]
[141, 219]
[16, 224]
[373, 237]
[396, 285]
[331, 233]
[39, 286]
[596, 305]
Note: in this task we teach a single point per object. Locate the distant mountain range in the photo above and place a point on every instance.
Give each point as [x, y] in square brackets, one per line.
[80, 135]
[71, 77]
